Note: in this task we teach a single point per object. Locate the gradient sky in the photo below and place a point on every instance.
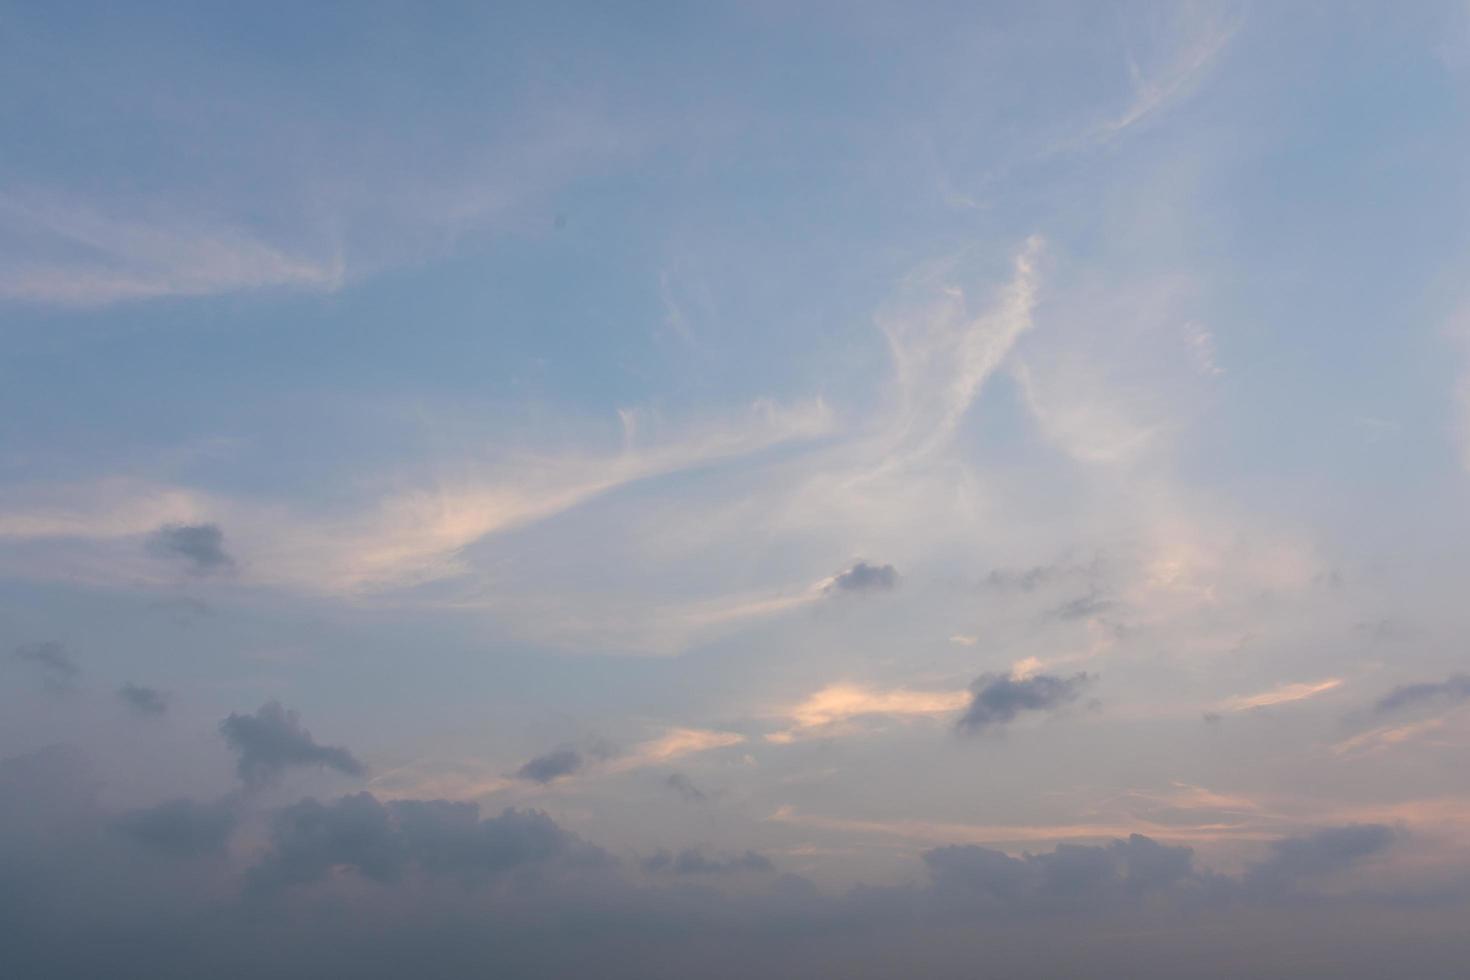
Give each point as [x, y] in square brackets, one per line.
[782, 462]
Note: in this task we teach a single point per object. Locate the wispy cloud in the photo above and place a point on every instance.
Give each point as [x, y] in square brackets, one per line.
[1000, 835]
[824, 711]
[1160, 86]
[1284, 694]
[676, 743]
[62, 252]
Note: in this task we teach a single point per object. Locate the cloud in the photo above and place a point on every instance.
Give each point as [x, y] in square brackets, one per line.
[381, 841]
[691, 861]
[997, 699]
[273, 740]
[1284, 694]
[1082, 607]
[58, 670]
[673, 744]
[199, 546]
[551, 766]
[1451, 690]
[1171, 81]
[942, 357]
[182, 827]
[144, 700]
[1072, 876]
[359, 886]
[69, 254]
[685, 787]
[837, 703]
[863, 577]
[1296, 860]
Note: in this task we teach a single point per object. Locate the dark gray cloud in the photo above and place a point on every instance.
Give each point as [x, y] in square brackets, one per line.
[380, 890]
[1073, 876]
[182, 827]
[383, 841]
[1295, 861]
[863, 577]
[273, 739]
[553, 765]
[692, 861]
[999, 698]
[1452, 689]
[57, 670]
[144, 700]
[685, 787]
[201, 547]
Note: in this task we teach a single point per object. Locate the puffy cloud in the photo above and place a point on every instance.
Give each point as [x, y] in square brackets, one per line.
[997, 699]
[1452, 689]
[382, 841]
[370, 888]
[863, 577]
[1298, 860]
[551, 766]
[201, 547]
[1071, 876]
[273, 740]
[58, 670]
[144, 700]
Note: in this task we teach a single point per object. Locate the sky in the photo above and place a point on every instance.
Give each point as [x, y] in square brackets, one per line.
[751, 489]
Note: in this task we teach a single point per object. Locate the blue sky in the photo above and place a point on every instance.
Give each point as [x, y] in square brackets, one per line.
[829, 432]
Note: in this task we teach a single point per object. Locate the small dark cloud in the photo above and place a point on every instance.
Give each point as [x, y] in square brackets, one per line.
[273, 739]
[1212, 717]
[200, 546]
[864, 577]
[553, 765]
[58, 671]
[685, 787]
[144, 700]
[999, 698]
[692, 861]
[182, 827]
[1451, 690]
